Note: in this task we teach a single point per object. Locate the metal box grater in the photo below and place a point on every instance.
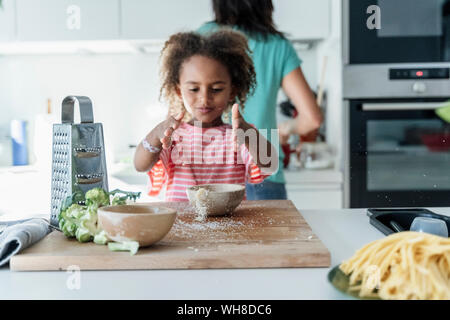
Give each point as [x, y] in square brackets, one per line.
[78, 161]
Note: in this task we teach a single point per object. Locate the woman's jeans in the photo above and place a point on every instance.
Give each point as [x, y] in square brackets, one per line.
[266, 190]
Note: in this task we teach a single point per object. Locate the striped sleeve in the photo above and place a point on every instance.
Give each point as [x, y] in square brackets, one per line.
[253, 172]
[158, 174]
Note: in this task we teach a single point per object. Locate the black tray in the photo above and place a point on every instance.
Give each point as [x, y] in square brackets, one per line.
[381, 218]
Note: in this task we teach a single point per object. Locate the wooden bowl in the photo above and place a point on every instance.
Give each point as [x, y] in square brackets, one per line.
[219, 199]
[146, 224]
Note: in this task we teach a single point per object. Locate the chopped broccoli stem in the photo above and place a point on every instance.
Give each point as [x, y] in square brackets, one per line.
[101, 238]
[131, 246]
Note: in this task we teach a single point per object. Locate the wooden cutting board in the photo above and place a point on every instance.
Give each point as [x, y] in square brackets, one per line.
[258, 234]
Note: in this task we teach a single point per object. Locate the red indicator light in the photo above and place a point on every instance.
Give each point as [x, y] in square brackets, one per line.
[419, 73]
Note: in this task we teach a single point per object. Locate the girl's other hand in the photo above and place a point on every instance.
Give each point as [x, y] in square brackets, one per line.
[168, 127]
[238, 122]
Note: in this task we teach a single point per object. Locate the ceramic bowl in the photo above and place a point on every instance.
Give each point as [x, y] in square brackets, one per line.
[146, 224]
[216, 199]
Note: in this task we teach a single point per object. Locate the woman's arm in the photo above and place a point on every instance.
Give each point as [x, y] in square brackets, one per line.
[309, 115]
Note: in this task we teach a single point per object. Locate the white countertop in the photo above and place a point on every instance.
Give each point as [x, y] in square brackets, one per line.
[342, 232]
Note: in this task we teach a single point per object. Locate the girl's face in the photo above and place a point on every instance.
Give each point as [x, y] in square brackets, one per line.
[205, 88]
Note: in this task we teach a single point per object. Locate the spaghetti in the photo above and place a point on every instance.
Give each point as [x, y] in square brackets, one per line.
[404, 265]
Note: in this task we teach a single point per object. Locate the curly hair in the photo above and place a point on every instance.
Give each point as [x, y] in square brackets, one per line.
[225, 46]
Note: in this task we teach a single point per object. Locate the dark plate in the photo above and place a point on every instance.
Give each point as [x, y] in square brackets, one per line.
[381, 218]
[340, 281]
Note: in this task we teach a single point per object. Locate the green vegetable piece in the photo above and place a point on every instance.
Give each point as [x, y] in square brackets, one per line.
[83, 235]
[132, 246]
[101, 238]
[75, 211]
[61, 221]
[89, 220]
[127, 195]
[118, 201]
[69, 229]
[73, 198]
[97, 196]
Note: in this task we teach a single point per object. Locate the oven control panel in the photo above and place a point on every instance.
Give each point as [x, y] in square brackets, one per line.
[416, 73]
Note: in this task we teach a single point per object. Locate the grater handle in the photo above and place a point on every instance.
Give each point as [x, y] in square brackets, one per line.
[86, 115]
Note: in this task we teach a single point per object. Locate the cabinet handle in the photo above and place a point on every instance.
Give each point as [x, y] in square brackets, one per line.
[402, 106]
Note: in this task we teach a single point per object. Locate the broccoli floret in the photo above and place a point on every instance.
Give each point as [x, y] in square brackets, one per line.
[68, 219]
[78, 221]
[131, 246]
[97, 196]
[89, 219]
[83, 235]
[68, 228]
[75, 211]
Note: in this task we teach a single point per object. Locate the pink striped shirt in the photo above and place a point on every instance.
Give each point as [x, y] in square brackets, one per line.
[201, 156]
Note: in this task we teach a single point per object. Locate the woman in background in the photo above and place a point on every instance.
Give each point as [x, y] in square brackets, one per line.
[277, 65]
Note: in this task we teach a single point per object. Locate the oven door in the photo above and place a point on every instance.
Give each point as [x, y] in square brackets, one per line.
[398, 31]
[399, 154]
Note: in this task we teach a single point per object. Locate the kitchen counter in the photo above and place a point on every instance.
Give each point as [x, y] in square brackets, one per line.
[342, 232]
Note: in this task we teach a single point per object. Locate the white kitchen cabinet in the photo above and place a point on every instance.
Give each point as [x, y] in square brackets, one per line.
[303, 19]
[50, 20]
[157, 20]
[7, 21]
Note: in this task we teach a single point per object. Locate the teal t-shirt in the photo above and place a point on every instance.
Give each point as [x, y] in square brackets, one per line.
[273, 58]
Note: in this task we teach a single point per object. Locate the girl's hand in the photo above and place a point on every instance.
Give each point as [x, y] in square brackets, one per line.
[166, 129]
[238, 122]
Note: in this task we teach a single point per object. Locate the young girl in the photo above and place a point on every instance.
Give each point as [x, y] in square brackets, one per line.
[202, 78]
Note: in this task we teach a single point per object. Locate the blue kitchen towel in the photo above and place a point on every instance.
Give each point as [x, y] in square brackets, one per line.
[16, 237]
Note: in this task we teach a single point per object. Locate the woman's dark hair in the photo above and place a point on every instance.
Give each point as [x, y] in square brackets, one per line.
[252, 16]
[226, 46]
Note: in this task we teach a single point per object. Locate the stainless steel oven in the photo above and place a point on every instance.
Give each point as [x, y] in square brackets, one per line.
[399, 153]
